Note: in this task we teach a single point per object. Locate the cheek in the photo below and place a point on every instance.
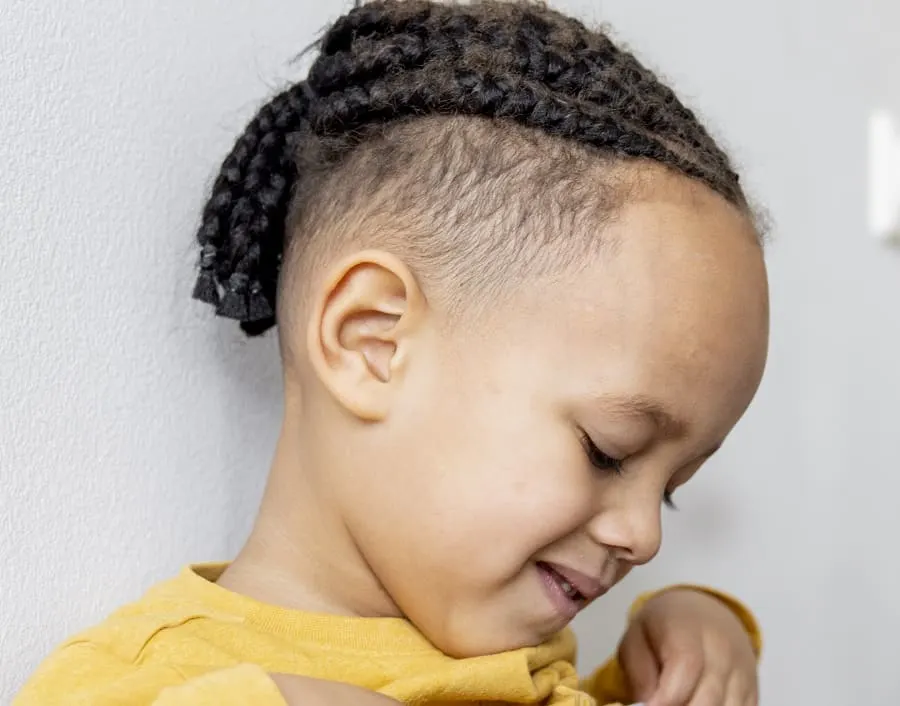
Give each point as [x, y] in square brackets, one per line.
[484, 471]
[501, 480]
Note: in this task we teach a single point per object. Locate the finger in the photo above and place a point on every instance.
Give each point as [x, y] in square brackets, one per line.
[752, 698]
[679, 679]
[742, 688]
[742, 692]
[639, 662]
[712, 691]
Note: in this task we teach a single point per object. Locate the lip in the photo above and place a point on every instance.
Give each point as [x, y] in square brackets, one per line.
[566, 607]
[587, 586]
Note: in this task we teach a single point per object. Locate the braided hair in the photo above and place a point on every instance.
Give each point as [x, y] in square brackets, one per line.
[391, 70]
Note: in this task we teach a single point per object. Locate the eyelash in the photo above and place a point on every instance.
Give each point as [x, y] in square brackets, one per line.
[668, 501]
[604, 462]
[598, 459]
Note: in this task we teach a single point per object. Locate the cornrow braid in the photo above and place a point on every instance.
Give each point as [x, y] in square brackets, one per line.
[392, 61]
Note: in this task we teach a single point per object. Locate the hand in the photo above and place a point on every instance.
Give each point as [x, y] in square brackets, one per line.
[687, 648]
[305, 691]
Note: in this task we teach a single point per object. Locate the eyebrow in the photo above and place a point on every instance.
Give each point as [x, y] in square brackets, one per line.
[641, 406]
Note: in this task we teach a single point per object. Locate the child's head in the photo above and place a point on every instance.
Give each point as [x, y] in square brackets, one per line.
[521, 300]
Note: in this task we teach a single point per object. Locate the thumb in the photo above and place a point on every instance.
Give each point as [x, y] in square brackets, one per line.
[639, 662]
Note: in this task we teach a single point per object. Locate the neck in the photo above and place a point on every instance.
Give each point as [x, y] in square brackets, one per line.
[300, 554]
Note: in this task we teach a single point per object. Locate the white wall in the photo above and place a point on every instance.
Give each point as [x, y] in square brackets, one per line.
[135, 431]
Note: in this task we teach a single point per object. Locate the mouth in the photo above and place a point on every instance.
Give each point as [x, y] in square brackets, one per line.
[569, 590]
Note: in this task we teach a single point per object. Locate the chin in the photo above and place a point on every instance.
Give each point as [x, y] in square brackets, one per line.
[475, 645]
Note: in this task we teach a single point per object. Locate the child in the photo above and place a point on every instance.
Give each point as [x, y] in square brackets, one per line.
[521, 299]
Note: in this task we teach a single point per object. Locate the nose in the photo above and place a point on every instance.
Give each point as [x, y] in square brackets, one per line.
[632, 531]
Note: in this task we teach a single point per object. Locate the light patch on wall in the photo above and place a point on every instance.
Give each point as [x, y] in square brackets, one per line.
[884, 176]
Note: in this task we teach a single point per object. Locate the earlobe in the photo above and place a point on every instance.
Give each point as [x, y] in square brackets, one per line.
[359, 333]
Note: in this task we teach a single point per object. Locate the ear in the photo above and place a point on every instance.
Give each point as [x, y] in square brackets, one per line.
[360, 333]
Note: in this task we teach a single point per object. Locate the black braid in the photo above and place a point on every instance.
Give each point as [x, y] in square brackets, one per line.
[393, 60]
[242, 231]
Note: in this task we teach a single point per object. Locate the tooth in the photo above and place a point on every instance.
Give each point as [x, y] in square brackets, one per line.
[567, 587]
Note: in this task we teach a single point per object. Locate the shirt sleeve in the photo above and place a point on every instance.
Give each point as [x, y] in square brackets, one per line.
[609, 685]
[82, 674]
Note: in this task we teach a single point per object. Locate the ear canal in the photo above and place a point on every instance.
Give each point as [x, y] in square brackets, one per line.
[380, 365]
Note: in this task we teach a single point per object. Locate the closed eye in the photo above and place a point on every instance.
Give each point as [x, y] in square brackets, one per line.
[599, 459]
[604, 462]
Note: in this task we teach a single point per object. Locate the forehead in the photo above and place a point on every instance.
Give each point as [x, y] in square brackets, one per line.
[674, 312]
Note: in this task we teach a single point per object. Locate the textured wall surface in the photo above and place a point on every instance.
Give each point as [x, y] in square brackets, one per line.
[135, 431]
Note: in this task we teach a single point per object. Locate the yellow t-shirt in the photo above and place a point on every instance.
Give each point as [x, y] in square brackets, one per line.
[189, 641]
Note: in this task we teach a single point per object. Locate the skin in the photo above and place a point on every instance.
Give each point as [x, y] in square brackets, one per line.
[425, 466]
[685, 648]
[304, 691]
